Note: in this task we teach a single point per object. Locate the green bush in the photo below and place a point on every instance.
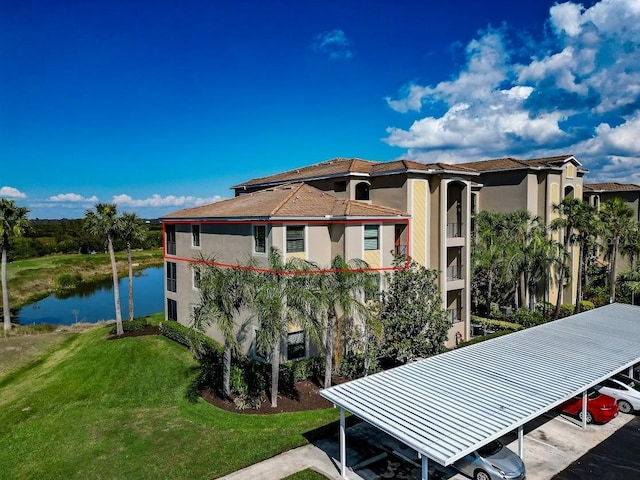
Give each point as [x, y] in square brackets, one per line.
[130, 326]
[499, 324]
[67, 281]
[566, 309]
[528, 318]
[586, 305]
[499, 333]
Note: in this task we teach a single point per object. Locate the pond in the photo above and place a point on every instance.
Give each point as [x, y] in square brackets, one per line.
[94, 302]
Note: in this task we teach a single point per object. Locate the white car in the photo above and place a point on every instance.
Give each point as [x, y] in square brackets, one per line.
[625, 390]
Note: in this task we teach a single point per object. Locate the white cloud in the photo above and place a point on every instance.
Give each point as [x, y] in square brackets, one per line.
[580, 95]
[333, 43]
[156, 200]
[73, 198]
[10, 192]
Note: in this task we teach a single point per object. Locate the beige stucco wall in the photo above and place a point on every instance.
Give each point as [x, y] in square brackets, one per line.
[503, 191]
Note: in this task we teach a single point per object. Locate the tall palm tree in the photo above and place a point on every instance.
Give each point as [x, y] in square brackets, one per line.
[131, 230]
[587, 226]
[631, 247]
[103, 221]
[280, 299]
[13, 223]
[223, 293]
[340, 295]
[616, 217]
[569, 209]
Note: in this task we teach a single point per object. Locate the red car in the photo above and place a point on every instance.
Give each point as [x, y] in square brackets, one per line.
[600, 408]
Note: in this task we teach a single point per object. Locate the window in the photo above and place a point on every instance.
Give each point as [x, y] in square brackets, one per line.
[170, 239]
[259, 238]
[196, 278]
[171, 276]
[296, 345]
[571, 171]
[195, 235]
[295, 239]
[371, 237]
[362, 191]
[172, 310]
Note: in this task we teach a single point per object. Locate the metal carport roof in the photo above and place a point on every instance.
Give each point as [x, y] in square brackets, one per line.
[449, 405]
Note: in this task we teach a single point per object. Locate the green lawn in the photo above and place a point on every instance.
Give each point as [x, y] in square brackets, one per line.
[18, 351]
[307, 474]
[98, 408]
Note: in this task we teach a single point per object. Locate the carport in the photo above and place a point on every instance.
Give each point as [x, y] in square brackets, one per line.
[447, 406]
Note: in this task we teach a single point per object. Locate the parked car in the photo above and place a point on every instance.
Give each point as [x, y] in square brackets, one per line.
[600, 408]
[624, 389]
[494, 461]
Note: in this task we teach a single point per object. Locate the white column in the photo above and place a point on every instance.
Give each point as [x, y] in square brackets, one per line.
[520, 441]
[584, 409]
[425, 467]
[631, 371]
[343, 446]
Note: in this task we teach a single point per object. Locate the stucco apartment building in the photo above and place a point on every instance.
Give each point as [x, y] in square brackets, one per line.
[510, 184]
[350, 207]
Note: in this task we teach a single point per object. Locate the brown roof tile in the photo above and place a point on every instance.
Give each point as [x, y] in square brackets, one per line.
[289, 200]
[611, 187]
[510, 163]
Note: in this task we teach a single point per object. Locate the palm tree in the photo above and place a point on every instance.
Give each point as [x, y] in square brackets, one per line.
[223, 293]
[340, 295]
[616, 217]
[280, 299]
[13, 223]
[568, 209]
[586, 226]
[631, 247]
[104, 222]
[131, 230]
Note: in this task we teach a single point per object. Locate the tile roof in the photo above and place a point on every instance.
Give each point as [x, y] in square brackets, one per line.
[510, 163]
[289, 200]
[610, 187]
[344, 166]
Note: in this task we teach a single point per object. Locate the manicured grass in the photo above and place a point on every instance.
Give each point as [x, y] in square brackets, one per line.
[18, 351]
[33, 279]
[307, 474]
[98, 408]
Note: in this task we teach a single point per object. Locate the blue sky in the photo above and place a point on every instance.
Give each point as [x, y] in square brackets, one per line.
[163, 105]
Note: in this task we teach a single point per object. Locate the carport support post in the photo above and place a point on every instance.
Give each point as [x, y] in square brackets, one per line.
[520, 442]
[631, 371]
[425, 467]
[584, 410]
[343, 446]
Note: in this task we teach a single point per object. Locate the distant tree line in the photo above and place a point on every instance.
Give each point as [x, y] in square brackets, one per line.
[46, 237]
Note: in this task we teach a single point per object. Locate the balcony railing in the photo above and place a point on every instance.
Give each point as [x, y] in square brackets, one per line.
[171, 248]
[454, 230]
[454, 315]
[171, 284]
[454, 272]
[401, 250]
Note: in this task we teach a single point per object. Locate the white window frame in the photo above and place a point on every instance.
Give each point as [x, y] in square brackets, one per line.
[193, 237]
[195, 278]
[365, 238]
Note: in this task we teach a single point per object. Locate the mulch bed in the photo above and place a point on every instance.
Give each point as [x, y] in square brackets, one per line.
[147, 330]
[306, 397]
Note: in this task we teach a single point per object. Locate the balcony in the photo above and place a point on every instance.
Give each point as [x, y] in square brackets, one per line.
[454, 272]
[171, 248]
[454, 315]
[455, 230]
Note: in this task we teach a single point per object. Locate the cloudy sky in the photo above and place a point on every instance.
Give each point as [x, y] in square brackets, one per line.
[166, 104]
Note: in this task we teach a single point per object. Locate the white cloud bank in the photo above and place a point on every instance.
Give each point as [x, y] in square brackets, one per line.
[156, 200]
[577, 92]
[11, 192]
[72, 198]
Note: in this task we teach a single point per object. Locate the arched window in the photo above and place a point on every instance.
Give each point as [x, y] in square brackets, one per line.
[568, 192]
[362, 191]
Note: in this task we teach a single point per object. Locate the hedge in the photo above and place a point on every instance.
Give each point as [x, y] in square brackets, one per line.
[500, 324]
[129, 326]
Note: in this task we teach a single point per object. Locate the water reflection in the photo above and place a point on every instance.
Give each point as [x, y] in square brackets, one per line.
[93, 301]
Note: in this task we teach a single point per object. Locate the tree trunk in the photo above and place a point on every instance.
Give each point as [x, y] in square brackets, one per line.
[559, 297]
[489, 288]
[275, 373]
[5, 292]
[523, 291]
[328, 355]
[612, 274]
[130, 280]
[226, 372]
[581, 263]
[116, 291]
[532, 297]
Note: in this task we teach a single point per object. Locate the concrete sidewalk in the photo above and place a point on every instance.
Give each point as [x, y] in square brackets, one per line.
[290, 462]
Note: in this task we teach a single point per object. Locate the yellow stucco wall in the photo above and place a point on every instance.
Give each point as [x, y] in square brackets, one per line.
[372, 257]
[419, 221]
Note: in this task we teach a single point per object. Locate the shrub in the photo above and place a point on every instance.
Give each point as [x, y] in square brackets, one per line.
[499, 324]
[352, 366]
[586, 305]
[528, 318]
[499, 333]
[566, 309]
[68, 281]
[129, 326]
